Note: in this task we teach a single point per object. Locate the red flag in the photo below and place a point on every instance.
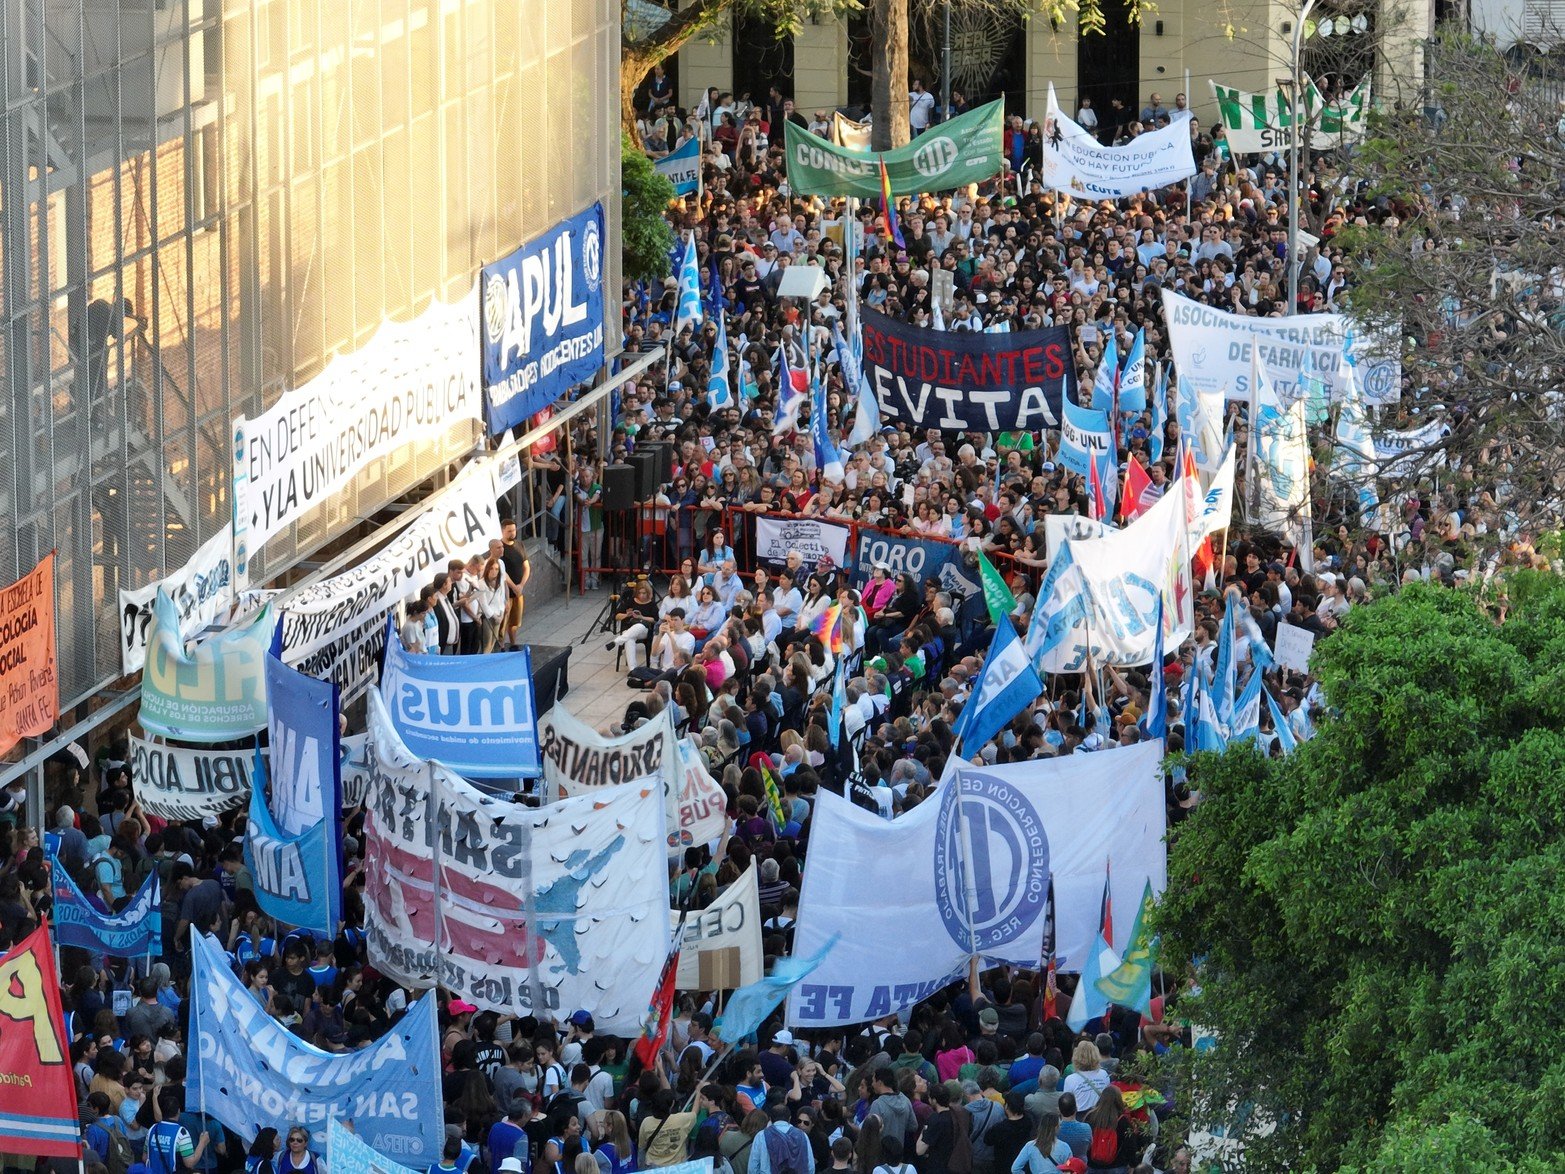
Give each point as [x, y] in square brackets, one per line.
[1204, 560]
[38, 1094]
[1096, 506]
[1106, 911]
[1051, 993]
[1136, 480]
[660, 1011]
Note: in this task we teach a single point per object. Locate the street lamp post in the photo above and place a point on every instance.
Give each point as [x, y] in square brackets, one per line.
[1293, 161]
[945, 66]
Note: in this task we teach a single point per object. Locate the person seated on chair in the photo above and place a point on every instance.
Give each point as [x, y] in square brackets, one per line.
[673, 646]
[634, 622]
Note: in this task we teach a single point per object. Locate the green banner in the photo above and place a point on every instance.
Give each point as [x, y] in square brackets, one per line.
[968, 149]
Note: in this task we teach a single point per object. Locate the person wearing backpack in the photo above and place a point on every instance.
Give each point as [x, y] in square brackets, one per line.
[781, 1148]
[1115, 1145]
[170, 1149]
[891, 1158]
[105, 1134]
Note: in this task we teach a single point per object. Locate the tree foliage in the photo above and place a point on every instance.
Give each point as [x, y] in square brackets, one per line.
[647, 236]
[1460, 257]
[1380, 917]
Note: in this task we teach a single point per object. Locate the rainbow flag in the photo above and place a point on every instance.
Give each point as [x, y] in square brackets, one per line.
[889, 205]
[828, 626]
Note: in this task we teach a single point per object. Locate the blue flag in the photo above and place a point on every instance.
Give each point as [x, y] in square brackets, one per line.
[1088, 1002]
[1085, 436]
[839, 702]
[1107, 379]
[791, 394]
[688, 308]
[682, 166]
[719, 388]
[1285, 736]
[1133, 380]
[750, 1005]
[1225, 681]
[828, 461]
[1006, 685]
[866, 415]
[136, 931]
[1154, 723]
[1159, 413]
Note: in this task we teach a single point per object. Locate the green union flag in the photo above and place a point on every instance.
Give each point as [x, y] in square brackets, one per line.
[968, 149]
[997, 595]
[1130, 983]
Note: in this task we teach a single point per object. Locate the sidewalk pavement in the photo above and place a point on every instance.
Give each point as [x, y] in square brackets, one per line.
[598, 693]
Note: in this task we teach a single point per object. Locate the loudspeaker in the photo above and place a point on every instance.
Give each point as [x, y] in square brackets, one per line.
[645, 465]
[619, 487]
[664, 451]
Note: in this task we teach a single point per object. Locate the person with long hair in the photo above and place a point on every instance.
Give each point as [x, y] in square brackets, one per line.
[1114, 1139]
[1044, 1153]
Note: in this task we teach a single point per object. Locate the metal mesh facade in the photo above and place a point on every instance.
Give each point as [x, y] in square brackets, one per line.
[201, 201]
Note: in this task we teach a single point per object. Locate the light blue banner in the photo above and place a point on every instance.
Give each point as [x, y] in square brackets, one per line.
[683, 168]
[249, 1071]
[136, 931]
[1084, 436]
[214, 693]
[293, 838]
[474, 714]
[347, 1154]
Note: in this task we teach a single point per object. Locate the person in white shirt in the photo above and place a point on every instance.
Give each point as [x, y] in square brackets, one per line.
[787, 599]
[1087, 117]
[673, 646]
[921, 107]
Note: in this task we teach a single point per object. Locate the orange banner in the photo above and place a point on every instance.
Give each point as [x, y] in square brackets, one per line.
[29, 684]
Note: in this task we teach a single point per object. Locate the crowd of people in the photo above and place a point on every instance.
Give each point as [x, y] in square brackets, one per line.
[983, 1078]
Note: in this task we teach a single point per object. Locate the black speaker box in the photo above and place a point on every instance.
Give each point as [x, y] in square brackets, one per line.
[619, 487]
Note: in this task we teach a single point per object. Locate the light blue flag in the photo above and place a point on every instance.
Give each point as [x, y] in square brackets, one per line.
[683, 168]
[1154, 723]
[688, 309]
[1006, 685]
[1225, 679]
[1084, 436]
[1088, 1002]
[719, 389]
[839, 702]
[1159, 413]
[866, 415]
[1280, 727]
[827, 459]
[136, 931]
[1108, 376]
[1247, 710]
[1062, 607]
[347, 1153]
[1133, 380]
[1209, 733]
[790, 395]
[750, 1005]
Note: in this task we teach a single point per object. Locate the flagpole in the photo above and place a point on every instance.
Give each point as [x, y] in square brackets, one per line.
[437, 886]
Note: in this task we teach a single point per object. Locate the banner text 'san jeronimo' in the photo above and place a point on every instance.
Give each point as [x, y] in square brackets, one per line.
[29, 676]
[543, 319]
[473, 713]
[733, 921]
[136, 931]
[958, 381]
[1211, 349]
[336, 629]
[180, 782]
[248, 1071]
[200, 590]
[544, 910]
[811, 537]
[968, 149]
[214, 693]
[293, 841]
[1074, 161]
[896, 890]
[38, 1094]
[413, 383]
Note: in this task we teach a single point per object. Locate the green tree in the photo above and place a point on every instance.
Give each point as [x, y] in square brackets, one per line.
[1379, 916]
[646, 235]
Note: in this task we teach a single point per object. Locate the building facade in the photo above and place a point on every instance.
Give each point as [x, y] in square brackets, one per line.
[1244, 43]
[203, 202]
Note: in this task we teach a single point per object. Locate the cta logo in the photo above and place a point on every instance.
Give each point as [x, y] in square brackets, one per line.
[934, 157]
[495, 305]
[991, 864]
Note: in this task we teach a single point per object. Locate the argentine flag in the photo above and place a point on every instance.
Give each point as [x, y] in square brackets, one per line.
[1133, 381]
[1159, 413]
[1108, 374]
[866, 416]
[1006, 685]
[791, 394]
[1089, 1002]
[719, 390]
[827, 458]
[688, 309]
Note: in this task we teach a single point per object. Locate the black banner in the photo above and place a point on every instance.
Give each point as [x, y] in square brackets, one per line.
[956, 380]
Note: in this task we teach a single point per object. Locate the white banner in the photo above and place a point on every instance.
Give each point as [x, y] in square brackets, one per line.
[1406, 453]
[412, 383]
[1075, 162]
[1212, 348]
[355, 770]
[1264, 122]
[812, 538]
[542, 910]
[1058, 528]
[577, 760]
[1101, 594]
[895, 890]
[734, 919]
[336, 629]
[1294, 645]
[177, 783]
[200, 590]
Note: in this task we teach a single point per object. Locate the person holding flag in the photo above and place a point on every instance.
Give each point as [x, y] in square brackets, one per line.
[719, 385]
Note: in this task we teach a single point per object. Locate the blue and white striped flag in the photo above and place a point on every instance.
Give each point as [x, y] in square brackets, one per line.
[719, 388]
[688, 309]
